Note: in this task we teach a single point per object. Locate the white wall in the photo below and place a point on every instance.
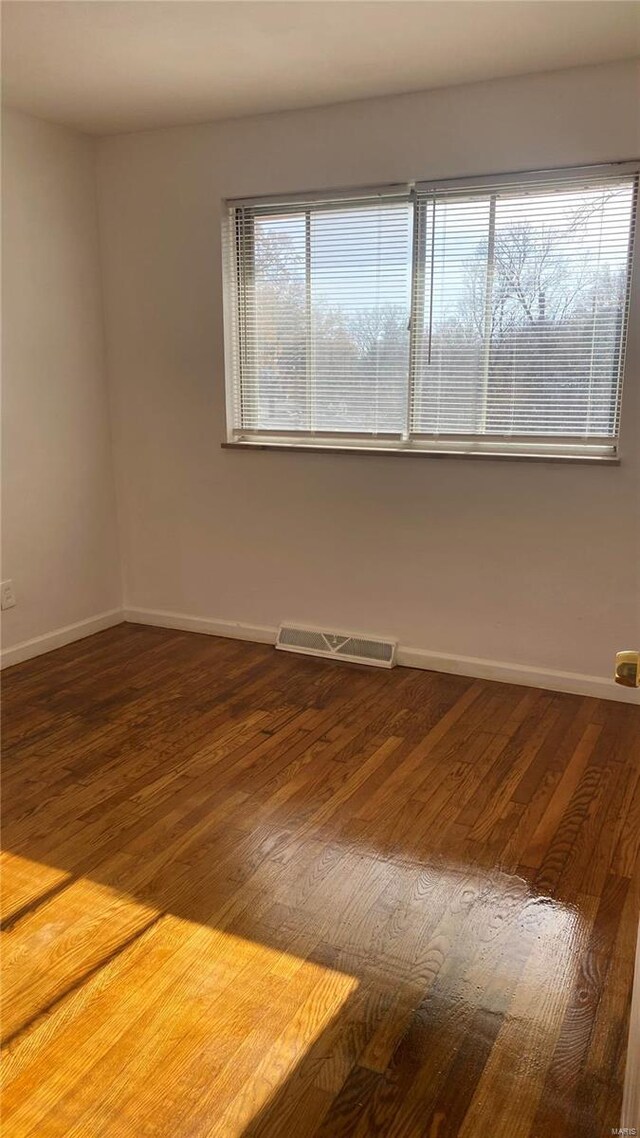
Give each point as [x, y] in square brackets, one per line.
[529, 563]
[60, 544]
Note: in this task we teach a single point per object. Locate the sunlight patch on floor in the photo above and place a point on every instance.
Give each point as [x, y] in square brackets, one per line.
[25, 881]
[182, 1019]
[224, 1019]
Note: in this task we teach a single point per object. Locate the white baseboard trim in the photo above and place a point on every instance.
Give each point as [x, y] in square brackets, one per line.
[575, 683]
[232, 629]
[59, 637]
[600, 687]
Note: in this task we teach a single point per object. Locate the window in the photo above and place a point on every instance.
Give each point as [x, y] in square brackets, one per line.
[485, 315]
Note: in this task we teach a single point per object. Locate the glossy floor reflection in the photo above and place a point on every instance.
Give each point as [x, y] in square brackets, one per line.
[248, 894]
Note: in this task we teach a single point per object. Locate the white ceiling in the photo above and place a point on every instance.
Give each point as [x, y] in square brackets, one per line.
[117, 65]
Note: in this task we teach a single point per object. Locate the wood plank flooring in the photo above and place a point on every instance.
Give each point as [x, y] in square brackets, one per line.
[253, 895]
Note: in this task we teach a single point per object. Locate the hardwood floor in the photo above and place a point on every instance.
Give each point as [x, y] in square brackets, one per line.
[253, 894]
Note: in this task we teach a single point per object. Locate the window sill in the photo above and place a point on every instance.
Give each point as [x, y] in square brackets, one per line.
[415, 452]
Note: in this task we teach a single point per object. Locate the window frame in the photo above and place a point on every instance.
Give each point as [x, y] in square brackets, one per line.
[545, 448]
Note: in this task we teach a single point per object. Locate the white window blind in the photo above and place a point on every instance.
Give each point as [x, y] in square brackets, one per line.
[478, 315]
[324, 294]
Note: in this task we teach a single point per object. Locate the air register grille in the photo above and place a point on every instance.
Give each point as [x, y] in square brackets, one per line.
[337, 645]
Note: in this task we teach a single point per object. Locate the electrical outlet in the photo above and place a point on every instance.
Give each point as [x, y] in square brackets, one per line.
[7, 595]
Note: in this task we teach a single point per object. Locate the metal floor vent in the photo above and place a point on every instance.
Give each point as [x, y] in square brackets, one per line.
[337, 645]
